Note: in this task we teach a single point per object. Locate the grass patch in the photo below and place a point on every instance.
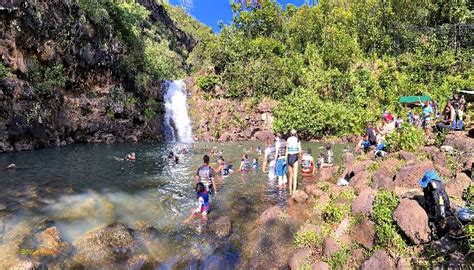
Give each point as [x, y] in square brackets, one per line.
[339, 259]
[307, 239]
[373, 167]
[386, 232]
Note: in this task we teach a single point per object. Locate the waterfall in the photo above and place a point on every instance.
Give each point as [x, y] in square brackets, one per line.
[177, 123]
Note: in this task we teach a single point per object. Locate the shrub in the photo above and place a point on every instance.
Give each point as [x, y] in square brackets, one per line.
[386, 231]
[409, 138]
[307, 239]
[3, 71]
[335, 212]
[149, 113]
[207, 82]
[44, 78]
[339, 259]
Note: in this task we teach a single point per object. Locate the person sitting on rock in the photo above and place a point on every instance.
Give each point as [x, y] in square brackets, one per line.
[202, 208]
[307, 164]
[131, 157]
[370, 138]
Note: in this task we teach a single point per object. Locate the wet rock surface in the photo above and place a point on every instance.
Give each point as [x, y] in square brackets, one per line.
[112, 245]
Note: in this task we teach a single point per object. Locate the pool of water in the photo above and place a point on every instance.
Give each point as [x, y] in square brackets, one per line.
[80, 188]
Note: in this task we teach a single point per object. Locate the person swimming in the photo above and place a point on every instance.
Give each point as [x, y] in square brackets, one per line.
[131, 157]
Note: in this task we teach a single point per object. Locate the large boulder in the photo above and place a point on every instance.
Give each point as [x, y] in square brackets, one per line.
[299, 259]
[313, 190]
[456, 186]
[407, 156]
[413, 221]
[360, 181]
[348, 159]
[379, 260]
[330, 247]
[221, 227]
[299, 196]
[362, 204]
[363, 233]
[320, 266]
[383, 177]
[106, 247]
[460, 142]
[327, 173]
[409, 175]
[50, 244]
[356, 168]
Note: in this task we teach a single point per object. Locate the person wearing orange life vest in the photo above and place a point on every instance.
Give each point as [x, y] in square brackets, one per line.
[307, 164]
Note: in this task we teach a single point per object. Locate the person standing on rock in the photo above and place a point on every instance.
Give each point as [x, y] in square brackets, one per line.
[205, 174]
[293, 152]
[427, 112]
[281, 165]
[269, 160]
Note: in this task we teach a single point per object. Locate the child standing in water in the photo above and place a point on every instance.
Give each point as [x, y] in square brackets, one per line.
[203, 204]
[330, 154]
[245, 164]
[255, 164]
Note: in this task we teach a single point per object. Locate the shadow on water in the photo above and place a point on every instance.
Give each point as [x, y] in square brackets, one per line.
[81, 188]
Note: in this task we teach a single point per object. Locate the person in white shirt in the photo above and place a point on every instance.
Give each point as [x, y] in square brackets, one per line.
[293, 153]
[269, 160]
[281, 166]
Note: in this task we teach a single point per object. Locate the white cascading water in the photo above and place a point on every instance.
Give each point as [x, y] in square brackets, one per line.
[177, 123]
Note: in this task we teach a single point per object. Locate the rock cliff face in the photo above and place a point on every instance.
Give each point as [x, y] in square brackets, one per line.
[63, 80]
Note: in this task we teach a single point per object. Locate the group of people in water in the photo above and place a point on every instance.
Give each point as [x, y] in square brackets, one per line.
[281, 161]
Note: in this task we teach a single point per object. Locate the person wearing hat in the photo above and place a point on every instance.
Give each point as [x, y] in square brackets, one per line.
[437, 204]
[293, 153]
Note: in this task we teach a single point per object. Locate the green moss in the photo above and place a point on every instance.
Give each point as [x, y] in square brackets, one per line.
[339, 259]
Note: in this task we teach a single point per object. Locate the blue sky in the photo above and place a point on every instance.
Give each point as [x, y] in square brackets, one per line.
[210, 12]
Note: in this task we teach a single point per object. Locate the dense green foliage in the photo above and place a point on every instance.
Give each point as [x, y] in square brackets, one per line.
[335, 65]
[45, 78]
[409, 138]
[152, 51]
[386, 231]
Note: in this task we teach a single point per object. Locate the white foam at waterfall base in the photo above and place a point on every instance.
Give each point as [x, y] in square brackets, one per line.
[177, 123]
